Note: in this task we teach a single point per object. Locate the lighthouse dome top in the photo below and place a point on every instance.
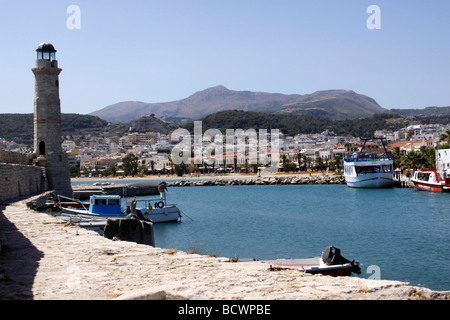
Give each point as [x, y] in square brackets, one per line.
[46, 51]
[46, 46]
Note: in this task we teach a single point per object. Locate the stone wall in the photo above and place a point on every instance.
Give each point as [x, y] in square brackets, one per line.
[17, 180]
[14, 157]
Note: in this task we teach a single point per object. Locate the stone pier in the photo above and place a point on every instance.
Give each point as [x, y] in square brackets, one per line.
[43, 257]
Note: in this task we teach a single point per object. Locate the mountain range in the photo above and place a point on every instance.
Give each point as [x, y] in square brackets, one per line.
[334, 104]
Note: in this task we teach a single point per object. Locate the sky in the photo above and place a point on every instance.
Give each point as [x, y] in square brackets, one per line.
[166, 50]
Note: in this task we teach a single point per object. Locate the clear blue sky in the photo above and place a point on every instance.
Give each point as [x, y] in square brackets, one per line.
[165, 50]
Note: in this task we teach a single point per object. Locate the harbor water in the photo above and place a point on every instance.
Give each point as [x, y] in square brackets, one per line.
[396, 234]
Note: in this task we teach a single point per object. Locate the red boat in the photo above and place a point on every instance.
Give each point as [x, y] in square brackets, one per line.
[435, 180]
[70, 204]
[430, 180]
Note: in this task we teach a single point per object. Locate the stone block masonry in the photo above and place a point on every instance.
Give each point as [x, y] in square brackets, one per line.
[17, 180]
[7, 156]
[47, 120]
[46, 258]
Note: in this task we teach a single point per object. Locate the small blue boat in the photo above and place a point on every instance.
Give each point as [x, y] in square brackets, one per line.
[113, 206]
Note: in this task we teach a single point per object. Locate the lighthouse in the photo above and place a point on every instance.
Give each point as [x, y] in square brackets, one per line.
[47, 121]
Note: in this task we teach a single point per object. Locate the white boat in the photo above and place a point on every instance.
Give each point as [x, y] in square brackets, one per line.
[369, 170]
[112, 206]
[93, 223]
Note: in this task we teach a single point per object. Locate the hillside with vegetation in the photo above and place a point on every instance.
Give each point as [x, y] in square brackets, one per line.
[19, 127]
[333, 104]
[293, 124]
[76, 127]
[426, 112]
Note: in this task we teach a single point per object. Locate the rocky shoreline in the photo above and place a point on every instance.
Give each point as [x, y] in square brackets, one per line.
[275, 180]
[144, 187]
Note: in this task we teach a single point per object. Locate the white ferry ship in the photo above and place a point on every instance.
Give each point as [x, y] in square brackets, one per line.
[369, 170]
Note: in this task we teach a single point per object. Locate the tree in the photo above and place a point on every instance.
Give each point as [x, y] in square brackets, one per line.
[410, 160]
[337, 162]
[321, 163]
[427, 157]
[308, 161]
[348, 146]
[130, 164]
[446, 138]
[301, 159]
[180, 169]
[397, 154]
[113, 169]
[142, 171]
[152, 165]
[255, 167]
[75, 171]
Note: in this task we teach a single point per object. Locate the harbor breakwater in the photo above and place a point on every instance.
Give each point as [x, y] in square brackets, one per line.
[275, 180]
[144, 188]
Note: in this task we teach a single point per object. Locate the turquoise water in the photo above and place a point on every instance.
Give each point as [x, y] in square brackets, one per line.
[403, 232]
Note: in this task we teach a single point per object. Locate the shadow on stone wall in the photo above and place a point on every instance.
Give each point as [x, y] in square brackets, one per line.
[19, 261]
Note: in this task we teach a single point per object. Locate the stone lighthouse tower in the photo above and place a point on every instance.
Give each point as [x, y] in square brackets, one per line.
[47, 121]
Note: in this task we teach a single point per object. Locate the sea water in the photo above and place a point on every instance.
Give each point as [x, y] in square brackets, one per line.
[396, 234]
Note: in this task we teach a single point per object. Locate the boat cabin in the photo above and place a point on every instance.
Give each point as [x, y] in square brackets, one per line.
[105, 204]
[429, 175]
[353, 170]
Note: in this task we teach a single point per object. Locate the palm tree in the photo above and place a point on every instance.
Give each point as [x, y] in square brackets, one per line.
[308, 161]
[301, 159]
[397, 157]
[427, 157]
[338, 162]
[320, 164]
[284, 158]
[410, 160]
[152, 165]
[347, 147]
[445, 136]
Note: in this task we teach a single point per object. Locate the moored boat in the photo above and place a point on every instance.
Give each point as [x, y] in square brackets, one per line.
[331, 263]
[435, 180]
[112, 206]
[369, 170]
[70, 203]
